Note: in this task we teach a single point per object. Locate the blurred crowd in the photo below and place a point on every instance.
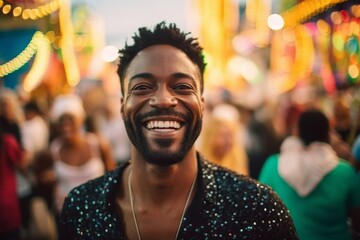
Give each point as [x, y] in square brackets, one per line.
[46, 150]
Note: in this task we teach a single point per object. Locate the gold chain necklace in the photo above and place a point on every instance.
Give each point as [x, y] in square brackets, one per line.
[133, 212]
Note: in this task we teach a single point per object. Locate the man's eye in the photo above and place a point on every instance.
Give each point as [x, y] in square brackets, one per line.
[183, 87]
[141, 87]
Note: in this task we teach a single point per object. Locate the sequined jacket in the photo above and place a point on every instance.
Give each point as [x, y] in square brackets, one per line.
[225, 206]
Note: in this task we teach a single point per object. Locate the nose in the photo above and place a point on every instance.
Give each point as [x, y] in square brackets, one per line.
[162, 98]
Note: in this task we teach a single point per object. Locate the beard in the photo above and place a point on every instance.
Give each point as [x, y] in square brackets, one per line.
[165, 156]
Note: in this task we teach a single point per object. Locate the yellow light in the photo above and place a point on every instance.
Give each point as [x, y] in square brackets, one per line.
[336, 18]
[37, 12]
[33, 14]
[353, 71]
[67, 46]
[6, 9]
[42, 10]
[288, 35]
[25, 56]
[354, 28]
[26, 14]
[34, 76]
[308, 8]
[47, 8]
[53, 6]
[323, 27]
[17, 11]
[50, 35]
[355, 10]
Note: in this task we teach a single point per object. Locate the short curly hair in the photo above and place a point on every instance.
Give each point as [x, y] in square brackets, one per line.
[161, 34]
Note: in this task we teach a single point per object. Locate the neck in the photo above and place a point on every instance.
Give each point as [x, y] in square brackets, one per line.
[157, 185]
[173, 213]
[74, 140]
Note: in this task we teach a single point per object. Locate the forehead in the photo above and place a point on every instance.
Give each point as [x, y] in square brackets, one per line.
[69, 116]
[162, 60]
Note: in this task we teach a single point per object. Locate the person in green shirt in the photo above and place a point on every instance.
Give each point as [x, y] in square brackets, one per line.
[321, 191]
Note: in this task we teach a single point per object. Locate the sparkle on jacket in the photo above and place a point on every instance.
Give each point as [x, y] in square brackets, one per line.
[225, 206]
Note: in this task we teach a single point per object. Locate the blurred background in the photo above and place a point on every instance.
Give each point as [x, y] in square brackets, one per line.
[267, 62]
[272, 53]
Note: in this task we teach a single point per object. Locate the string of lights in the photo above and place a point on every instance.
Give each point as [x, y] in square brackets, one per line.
[25, 56]
[305, 10]
[40, 64]
[39, 46]
[67, 45]
[30, 13]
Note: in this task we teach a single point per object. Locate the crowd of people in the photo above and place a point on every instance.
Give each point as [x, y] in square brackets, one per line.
[43, 156]
[263, 174]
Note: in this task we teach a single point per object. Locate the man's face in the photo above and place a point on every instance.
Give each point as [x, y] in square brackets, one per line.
[162, 105]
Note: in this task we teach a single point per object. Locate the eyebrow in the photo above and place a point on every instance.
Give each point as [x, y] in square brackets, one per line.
[143, 75]
[176, 75]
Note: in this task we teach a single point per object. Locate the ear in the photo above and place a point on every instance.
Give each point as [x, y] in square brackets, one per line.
[202, 105]
[122, 107]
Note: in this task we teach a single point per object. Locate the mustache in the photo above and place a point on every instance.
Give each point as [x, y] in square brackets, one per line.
[162, 112]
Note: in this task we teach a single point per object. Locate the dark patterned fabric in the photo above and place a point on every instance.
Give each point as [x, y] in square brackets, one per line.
[225, 206]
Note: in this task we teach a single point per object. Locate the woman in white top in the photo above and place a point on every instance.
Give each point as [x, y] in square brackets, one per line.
[77, 155]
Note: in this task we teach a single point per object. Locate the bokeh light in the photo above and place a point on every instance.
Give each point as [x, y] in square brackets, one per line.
[275, 22]
[109, 54]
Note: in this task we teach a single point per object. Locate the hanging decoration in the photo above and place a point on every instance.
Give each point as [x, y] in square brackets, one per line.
[30, 13]
[40, 64]
[327, 50]
[67, 44]
[37, 44]
[40, 46]
[305, 10]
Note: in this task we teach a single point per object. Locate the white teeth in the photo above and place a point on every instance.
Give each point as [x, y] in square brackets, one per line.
[163, 124]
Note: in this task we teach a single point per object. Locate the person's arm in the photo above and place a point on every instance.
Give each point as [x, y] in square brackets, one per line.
[44, 172]
[282, 225]
[14, 152]
[106, 154]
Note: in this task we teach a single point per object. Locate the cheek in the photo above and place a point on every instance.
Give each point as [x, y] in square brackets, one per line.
[132, 105]
[194, 104]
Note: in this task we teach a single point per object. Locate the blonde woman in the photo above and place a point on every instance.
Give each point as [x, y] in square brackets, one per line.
[220, 144]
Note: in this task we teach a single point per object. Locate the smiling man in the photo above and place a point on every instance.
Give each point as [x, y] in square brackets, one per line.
[167, 190]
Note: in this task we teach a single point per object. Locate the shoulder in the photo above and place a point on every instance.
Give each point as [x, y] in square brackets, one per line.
[92, 138]
[239, 187]
[346, 165]
[89, 206]
[88, 210]
[11, 147]
[251, 205]
[96, 192]
[11, 144]
[97, 187]
[345, 168]
[9, 140]
[271, 162]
